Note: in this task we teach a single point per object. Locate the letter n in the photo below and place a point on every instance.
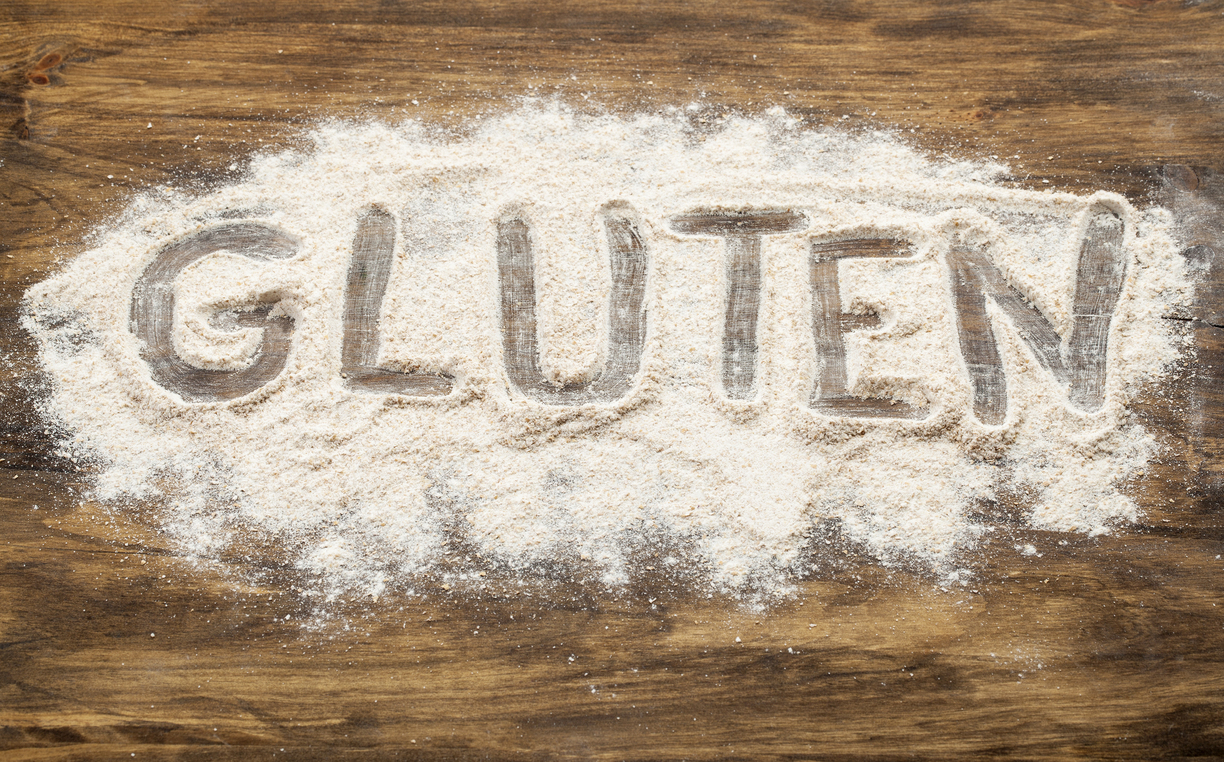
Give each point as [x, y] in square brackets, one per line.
[1099, 277]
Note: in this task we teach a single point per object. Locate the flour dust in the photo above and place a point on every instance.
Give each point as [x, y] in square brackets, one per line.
[368, 492]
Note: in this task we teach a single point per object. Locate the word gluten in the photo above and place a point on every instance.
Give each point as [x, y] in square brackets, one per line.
[1076, 361]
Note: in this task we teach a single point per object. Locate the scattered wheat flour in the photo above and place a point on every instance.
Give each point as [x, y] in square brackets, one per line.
[371, 492]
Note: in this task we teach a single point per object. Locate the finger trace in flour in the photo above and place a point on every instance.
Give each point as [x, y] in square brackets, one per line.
[561, 338]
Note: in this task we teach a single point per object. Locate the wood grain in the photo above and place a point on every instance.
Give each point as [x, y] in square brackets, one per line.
[1103, 648]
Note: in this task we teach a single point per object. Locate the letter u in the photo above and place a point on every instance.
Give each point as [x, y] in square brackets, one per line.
[626, 312]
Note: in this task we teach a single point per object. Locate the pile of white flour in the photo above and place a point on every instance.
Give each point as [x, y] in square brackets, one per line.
[372, 492]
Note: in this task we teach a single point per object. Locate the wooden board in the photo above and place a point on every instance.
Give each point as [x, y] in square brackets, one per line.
[1110, 647]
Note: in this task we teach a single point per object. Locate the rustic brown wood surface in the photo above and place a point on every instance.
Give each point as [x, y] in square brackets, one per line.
[1104, 648]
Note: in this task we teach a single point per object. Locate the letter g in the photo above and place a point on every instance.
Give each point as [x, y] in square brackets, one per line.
[152, 315]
